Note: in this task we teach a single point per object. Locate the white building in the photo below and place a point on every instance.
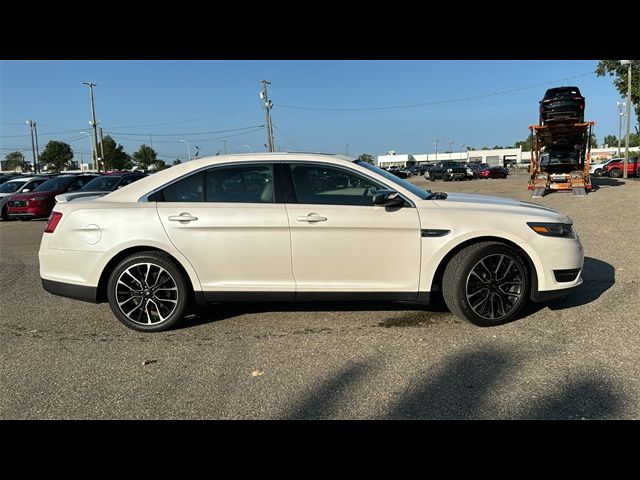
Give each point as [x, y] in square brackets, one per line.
[492, 157]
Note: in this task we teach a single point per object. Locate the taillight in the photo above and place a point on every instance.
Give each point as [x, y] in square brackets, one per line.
[547, 100]
[51, 225]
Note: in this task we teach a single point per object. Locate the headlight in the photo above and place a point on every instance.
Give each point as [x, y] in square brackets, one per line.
[449, 170]
[469, 171]
[564, 230]
[37, 199]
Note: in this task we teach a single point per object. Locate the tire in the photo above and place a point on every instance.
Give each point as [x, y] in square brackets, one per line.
[463, 288]
[597, 172]
[152, 311]
[5, 214]
[615, 173]
[432, 177]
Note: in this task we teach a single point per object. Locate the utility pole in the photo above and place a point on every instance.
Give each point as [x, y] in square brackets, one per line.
[450, 151]
[225, 146]
[102, 150]
[620, 114]
[93, 123]
[35, 134]
[30, 124]
[268, 105]
[626, 153]
[436, 144]
[347, 150]
[150, 141]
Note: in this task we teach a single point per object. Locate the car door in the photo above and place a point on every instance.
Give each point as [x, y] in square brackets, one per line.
[225, 220]
[342, 246]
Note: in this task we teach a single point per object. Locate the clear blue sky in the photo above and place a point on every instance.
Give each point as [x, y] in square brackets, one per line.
[170, 99]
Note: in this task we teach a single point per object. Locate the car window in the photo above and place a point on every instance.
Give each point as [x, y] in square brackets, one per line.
[10, 187]
[54, 184]
[320, 184]
[189, 189]
[79, 182]
[104, 183]
[240, 184]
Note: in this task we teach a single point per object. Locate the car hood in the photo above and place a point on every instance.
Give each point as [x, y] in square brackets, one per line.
[26, 196]
[477, 204]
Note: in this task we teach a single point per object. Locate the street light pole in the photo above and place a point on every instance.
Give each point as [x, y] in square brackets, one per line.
[436, 144]
[626, 153]
[450, 151]
[188, 148]
[620, 115]
[225, 146]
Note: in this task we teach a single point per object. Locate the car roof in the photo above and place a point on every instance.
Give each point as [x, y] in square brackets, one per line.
[151, 182]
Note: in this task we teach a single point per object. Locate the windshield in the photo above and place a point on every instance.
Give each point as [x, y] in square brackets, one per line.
[10, 187]
[54, 184]
[105, 184]
[423, 194]
[558, 157]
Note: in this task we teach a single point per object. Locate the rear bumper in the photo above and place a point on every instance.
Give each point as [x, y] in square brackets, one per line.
[69, 290]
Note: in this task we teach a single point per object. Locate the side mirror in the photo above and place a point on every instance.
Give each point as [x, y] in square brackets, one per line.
[26, 190]
[387, 198]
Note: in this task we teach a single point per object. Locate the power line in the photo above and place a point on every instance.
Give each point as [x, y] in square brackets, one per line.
[176, 122]
[186, 134]
[436, 102]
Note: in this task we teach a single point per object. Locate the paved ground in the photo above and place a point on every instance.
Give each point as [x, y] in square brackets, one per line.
[573, 358]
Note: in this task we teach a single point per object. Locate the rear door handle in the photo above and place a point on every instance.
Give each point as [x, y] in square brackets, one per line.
[312, 218]
[183, 217]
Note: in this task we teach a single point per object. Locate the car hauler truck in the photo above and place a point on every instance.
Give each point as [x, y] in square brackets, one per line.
[560, 158]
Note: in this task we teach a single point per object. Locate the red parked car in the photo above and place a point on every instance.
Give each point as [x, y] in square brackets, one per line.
[493, 172]
[40, 201]
[614, 169]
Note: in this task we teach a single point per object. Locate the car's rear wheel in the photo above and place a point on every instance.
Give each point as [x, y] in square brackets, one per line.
[5, 214]
[615, 173]
[147, 292]
[486, 284]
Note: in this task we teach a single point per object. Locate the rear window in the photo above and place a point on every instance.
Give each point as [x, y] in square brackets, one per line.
[55, 184]
[562, 92]
[105, 183]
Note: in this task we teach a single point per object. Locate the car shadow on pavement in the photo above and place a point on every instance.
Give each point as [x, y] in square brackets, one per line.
[599, 182]
[598, 277]
[472, 383]
[223, 311]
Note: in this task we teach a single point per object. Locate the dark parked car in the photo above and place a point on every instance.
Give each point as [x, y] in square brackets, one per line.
[447, 170]
[40, 202]
[105, 184]
[562, 104]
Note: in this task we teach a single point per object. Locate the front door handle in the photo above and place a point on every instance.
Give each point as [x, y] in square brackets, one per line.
[312, 218]
[183, 217]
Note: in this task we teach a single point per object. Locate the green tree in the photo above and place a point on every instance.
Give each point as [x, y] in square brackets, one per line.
[145, 157]
[115, 158]
[365, 157]
[159, 165]
[526, 144]
[56, 156]
[13, 161]
[593, 141]
[176, 162]
[610, 140]
[619, 72]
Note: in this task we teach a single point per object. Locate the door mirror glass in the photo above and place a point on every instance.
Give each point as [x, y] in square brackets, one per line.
[387, 198]
[26, 190]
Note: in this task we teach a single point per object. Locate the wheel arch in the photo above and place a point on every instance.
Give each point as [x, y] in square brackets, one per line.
[436, 282]
[101, 294]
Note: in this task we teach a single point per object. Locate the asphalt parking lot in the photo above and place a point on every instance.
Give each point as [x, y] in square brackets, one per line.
[572, 358]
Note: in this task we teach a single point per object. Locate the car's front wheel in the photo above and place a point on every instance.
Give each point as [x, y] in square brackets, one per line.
[147, 292]
[5, 214]
[615, 173]
[597, 172]
[486, 284]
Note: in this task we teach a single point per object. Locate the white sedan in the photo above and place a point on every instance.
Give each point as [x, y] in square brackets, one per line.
[303, 227]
